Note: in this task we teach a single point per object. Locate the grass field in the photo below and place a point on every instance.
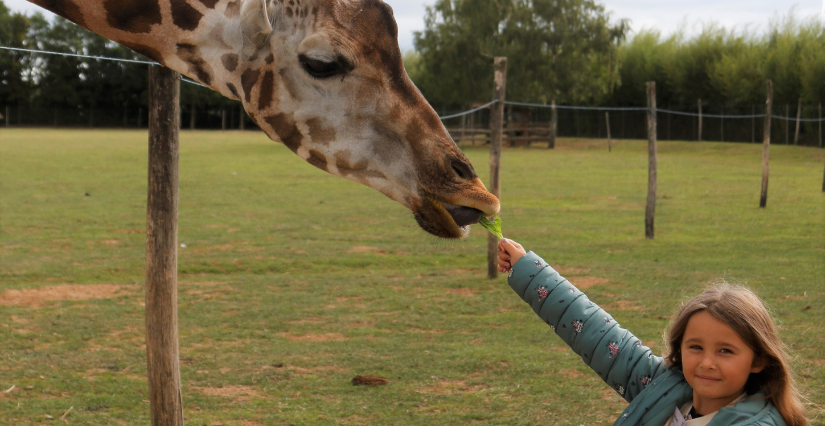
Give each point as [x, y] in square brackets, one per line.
[293, 281]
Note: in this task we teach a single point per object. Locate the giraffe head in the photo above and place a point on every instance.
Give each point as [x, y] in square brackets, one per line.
[324, 77]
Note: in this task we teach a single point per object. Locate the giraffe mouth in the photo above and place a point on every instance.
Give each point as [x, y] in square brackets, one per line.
[446, 220]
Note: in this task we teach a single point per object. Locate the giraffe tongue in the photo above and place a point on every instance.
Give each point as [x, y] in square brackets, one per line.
[463, 216]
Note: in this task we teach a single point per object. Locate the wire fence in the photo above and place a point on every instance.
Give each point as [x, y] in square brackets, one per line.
[527, 122]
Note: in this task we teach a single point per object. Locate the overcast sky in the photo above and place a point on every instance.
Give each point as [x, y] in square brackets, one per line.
[665, 15]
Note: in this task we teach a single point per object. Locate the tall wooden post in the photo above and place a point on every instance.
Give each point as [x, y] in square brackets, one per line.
[496, 119]
[241, 116]
[699, 135]
[651, 159]
[798, 121]
[766, 145]
[223, 119]
[554, 122]
[162, 354]
[607, 121]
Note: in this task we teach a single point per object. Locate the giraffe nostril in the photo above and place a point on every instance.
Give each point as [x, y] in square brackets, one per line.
[462, 170]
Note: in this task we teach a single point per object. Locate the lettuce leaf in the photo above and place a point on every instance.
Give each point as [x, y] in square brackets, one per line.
[493, 227]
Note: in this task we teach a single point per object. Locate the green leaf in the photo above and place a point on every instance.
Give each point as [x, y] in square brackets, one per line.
[493, 227]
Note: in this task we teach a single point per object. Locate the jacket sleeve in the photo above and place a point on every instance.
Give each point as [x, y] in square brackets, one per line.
[615, 354]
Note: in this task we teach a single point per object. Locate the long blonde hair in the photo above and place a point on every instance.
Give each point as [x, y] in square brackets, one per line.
[744, 312]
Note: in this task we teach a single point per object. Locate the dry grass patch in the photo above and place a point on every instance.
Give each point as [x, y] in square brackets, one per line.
[237, 392]
[366, 249]
[464, 291]
[37, 297]
[449, 387]
[328, 337]
[587, 282]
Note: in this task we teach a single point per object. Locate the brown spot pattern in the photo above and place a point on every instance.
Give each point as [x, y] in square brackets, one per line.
[233, 9]
[134, 16]
[319, 132]
[284, 126]
[184, 16]
[148, 51]
[234, 91]
[270, 59]
[209, 3]
[317, 159]
[267, 90]
[230, 61]
[248, 80]
[191, 54]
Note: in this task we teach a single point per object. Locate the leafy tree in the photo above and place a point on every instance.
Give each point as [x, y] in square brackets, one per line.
[14, 66]
[556, 49]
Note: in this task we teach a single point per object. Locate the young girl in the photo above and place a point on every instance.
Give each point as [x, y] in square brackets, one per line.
[726, 365]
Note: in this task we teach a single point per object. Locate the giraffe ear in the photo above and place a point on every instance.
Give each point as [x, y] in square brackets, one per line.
[255, 22]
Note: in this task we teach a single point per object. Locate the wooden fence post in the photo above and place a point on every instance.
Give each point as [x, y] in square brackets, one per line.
[223, 119]
[607, 120]
[766, 145]
[699, 135]
[798, 121]
[496, 118]
[162, 353]
[241, 116]
[651, 159]
[554, 120]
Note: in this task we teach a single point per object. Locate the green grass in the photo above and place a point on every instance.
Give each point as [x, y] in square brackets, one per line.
[294, 281]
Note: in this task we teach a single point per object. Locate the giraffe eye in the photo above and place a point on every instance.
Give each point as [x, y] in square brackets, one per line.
[323, 69]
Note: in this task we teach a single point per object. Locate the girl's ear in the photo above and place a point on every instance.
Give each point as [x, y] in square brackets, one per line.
[759, 364]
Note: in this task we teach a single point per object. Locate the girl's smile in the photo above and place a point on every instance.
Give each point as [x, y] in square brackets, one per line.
[716, 362]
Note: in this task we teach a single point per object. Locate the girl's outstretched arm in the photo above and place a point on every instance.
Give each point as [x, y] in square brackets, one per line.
[615, 354]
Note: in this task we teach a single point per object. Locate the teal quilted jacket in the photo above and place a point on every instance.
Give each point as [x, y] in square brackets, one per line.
[644, 380]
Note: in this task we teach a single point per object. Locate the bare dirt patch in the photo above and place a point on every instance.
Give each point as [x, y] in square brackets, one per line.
[37, 297]
[367, 249]
[587, 282]
[569, 271]
[328, 337]
[238, 392]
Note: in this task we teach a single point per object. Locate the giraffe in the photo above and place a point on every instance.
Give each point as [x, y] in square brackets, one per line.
[323, 77]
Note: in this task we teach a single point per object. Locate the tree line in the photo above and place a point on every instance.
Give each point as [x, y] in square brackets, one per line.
[567, 51]
[65, 90]
[571, 51]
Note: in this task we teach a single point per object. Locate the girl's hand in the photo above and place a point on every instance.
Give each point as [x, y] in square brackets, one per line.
[509, 252]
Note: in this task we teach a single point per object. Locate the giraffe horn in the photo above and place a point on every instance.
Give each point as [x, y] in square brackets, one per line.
[255, 22]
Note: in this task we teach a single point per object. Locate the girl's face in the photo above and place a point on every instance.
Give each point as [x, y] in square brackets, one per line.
[716, 362]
